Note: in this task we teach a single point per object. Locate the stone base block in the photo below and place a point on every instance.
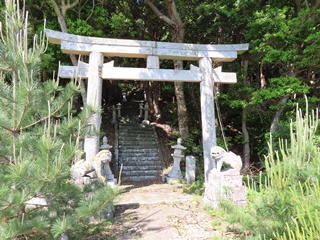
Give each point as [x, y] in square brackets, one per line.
[173, 180]
[225, 186]
[112, 182]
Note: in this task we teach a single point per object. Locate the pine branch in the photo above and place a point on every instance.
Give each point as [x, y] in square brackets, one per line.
[50, 116]
[5, 158]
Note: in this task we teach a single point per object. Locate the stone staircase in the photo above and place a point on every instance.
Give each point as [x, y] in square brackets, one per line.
[139, 153]
[138, 147]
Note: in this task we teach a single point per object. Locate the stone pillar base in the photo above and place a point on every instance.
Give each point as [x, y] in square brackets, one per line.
[112, 182]
[174, 176]
[225, 186]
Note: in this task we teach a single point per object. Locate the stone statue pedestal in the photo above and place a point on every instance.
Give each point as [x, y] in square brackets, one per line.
[225, 186]
[175, 173]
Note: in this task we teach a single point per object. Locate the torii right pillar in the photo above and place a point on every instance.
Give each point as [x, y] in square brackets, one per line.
[209, 138]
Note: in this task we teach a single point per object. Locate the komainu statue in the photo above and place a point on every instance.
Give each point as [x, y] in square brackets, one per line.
[82, 167]
[221, 157]
[226, 184]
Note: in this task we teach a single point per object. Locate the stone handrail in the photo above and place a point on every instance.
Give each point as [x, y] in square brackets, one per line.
[116, 148]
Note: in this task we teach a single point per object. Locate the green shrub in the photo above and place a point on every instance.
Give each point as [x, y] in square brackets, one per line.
[286, 206]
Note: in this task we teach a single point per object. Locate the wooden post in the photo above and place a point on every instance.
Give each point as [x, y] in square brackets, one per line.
[207, 114]
[91, 142]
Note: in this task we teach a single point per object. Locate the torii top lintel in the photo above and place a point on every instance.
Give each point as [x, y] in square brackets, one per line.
[82, 45]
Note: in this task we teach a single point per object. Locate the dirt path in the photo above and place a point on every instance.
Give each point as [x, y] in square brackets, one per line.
[162, 211]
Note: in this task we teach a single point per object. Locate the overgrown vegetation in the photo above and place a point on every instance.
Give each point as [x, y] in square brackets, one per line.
[286, 205]
[39, 139]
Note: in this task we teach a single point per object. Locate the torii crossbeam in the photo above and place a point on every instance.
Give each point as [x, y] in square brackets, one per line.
[95, 71]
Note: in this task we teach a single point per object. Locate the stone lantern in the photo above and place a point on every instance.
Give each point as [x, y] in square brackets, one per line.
[175, 173]
[146, 115]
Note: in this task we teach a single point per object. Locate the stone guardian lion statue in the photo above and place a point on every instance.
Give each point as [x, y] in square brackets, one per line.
[82, 167]
[221, 157]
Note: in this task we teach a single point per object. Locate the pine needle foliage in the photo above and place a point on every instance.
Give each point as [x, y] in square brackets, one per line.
[39, 140]
[287, 204]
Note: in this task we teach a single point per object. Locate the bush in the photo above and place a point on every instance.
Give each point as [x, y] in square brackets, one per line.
[287, 204]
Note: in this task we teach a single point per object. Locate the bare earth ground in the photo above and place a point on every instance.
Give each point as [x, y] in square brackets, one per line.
[162, 211]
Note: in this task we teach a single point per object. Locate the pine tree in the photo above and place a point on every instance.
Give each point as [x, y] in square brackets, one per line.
[39, 138]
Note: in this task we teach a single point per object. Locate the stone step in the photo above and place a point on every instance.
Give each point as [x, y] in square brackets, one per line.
[137, 140]
[132, 131]
[128, 168]
[140, 145]
[141, 163]
[135, 130]
[139, 160]
[141, 173]
[139, 178]
[136, 126]
[137, 150]
[136, 136]
[138, 154]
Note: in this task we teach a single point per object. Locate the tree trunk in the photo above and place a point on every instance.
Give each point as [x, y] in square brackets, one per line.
[246, 138]
[262, 77]
[177, 29]
[152, 90]
[148, 92]
[182, 109]
[276, 119]
[155, 98]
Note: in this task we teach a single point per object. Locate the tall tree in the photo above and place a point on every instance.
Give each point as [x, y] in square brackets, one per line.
[177, 29]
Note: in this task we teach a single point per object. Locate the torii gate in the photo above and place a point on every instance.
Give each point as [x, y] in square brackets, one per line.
[96, 71]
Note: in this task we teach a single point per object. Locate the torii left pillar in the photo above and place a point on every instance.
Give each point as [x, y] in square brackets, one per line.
[94, 91]
[207, 114]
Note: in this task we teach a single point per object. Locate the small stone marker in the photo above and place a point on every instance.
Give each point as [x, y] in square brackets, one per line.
[175, 173]
[190, 169]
